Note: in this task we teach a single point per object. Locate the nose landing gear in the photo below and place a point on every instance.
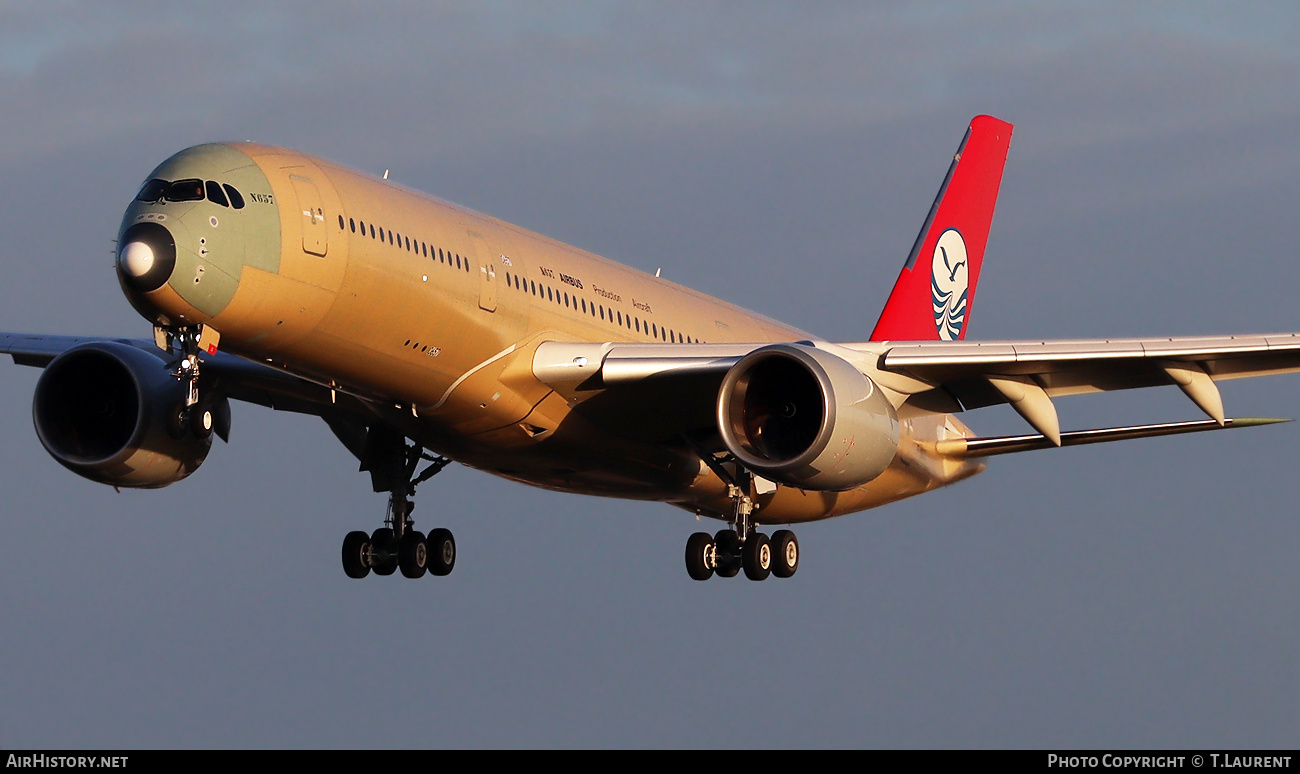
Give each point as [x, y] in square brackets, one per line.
[199, 414]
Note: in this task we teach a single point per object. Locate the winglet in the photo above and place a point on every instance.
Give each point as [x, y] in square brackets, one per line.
[931, 299]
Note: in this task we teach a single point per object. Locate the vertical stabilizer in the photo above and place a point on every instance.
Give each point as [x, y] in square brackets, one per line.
[933, 295]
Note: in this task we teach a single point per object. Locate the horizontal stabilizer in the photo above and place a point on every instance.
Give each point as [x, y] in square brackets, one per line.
[988, 447]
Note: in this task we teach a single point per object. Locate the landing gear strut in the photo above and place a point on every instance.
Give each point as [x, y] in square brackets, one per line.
[742, 546]
[197, 414]
[200, 414]
[392, 463]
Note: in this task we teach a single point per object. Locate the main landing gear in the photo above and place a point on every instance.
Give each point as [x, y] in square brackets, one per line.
[742, 547]
[398, 545]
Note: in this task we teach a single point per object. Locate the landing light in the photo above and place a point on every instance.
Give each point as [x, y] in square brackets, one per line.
[137, 259]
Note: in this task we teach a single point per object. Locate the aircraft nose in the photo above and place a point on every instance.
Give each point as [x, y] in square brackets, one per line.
[146, 256]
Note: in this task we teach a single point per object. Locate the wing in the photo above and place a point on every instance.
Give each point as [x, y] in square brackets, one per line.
[234, 377]
[659, 391]
[652, 392]
[1028, 374]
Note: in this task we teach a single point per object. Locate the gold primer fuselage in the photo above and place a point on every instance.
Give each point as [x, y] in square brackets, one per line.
[432, 313]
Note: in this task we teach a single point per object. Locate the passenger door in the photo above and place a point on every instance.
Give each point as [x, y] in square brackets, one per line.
[315, 233]
[487, 267]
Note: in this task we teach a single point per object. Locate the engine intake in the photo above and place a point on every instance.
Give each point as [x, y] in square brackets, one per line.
[806, 418]
[101, 410]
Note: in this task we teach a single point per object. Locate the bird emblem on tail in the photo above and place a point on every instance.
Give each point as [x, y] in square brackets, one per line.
[949, 281]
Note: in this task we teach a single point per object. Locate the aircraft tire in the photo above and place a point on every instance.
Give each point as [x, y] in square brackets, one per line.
[756, 556]
[382, 540]
[202, 420]
[698, 548]
[356, 551]
[178, 420]
[785, 553]
[413, 555]
[442, 552]
[728, 553]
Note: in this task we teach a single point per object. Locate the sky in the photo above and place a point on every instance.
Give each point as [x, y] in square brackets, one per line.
[780, 156]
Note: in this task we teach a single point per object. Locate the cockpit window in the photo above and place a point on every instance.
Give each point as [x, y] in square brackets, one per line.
[236, 200]
[185, 191]
[152, 191]
[190, 190]
[215, 194]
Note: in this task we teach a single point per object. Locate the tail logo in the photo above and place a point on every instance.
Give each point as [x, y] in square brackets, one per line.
[949, 281]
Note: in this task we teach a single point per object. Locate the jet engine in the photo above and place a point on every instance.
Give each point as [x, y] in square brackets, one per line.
[114, 414]
[806, 418]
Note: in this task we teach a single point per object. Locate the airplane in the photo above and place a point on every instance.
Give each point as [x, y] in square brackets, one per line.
[423, 333]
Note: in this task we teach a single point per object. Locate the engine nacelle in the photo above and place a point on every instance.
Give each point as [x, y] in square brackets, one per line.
[806, 418]
[101, 409]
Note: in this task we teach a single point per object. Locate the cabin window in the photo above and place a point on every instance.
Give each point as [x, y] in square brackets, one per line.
[352, 224]
[584, 306]
[341, 226]
[236, 198]
[424, 249]
[372, 230]
[215, 194]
